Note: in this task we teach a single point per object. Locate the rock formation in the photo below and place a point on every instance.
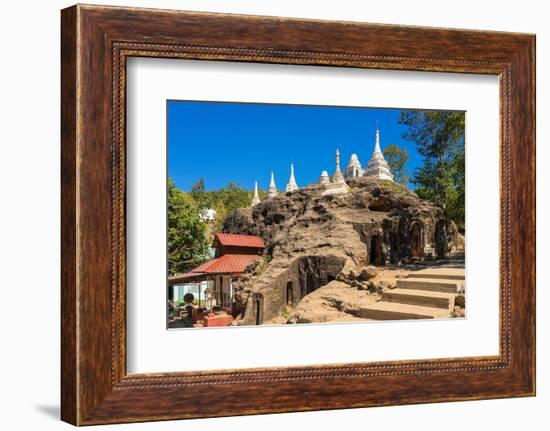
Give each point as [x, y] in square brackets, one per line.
[314, 240]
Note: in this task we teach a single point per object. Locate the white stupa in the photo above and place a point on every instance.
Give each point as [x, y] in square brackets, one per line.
[337, 176]
[291, 185]
[324, 178]
[338, 184]
[272, 191]
[377, 167]
[256, 199]
[354, 168]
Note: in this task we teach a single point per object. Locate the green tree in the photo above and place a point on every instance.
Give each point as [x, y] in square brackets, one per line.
[187, 242]
[199, 194]
[439, 139]
[233, 196]
[223, 201]
[219, 220]
[228, 199]
[397, 158]
[457, 196]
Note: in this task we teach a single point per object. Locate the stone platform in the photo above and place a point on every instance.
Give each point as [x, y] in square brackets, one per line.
[426, 294]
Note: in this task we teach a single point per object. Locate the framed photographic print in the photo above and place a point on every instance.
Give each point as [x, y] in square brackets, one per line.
[322, 214]
[353, 246]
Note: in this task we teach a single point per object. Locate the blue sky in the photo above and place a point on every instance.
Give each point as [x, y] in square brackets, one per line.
[244, 142]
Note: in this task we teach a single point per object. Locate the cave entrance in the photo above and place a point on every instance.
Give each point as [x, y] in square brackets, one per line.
[315, 272]
[416, 240]
[440, 239]
[304, 284]
[394, 251]
[289, 294]
[258, 309]
[376, 256]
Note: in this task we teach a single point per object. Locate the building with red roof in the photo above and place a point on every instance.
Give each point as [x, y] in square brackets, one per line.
[233, 254]
[229, 243]
[234, 264]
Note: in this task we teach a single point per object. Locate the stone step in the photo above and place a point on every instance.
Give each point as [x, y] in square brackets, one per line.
[423, 298]
[430, 284]
[439, 273]
[391, 311]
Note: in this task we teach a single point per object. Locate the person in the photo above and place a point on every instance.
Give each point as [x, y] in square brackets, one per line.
[189, 309]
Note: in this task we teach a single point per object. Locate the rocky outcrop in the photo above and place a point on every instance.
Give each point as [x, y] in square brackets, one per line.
[333, 302]
[312, 240]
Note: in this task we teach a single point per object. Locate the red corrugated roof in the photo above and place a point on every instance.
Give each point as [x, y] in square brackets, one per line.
[232, 239]
[227, 264]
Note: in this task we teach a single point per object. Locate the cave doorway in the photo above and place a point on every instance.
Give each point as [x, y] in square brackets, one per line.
[440, 239]
[416, 240]
[258, 300]
[376, 256]
[289, 294]
[394, 250]
[303, 284]
[315, 272]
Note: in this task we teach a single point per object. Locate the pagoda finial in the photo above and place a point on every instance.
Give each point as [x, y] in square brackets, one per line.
[337, 177]
[272, 192]
[256, 199]
[377, 140]
[291, 185]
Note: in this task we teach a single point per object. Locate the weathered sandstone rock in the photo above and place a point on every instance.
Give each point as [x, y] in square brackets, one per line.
[312, 240]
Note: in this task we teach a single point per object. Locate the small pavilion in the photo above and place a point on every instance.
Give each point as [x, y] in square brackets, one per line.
[233, 254]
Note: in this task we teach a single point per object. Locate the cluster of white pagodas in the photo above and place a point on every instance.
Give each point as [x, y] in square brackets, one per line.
[376, 168]
[272, 190]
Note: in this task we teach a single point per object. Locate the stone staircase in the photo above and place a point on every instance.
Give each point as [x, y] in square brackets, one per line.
[425, 294]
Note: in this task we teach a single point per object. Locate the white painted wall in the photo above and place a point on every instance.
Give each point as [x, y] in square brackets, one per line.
[29, 228]
[151, 349]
